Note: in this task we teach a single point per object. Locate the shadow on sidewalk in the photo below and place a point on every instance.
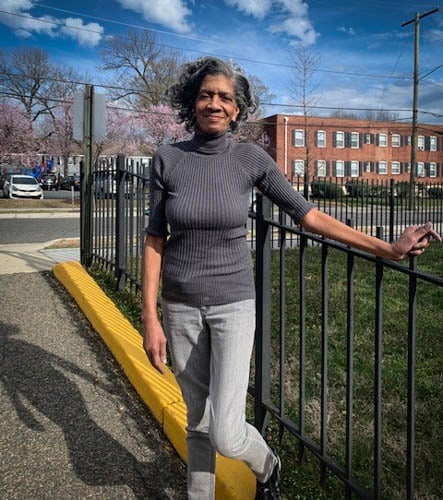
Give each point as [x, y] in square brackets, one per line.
[34, 378]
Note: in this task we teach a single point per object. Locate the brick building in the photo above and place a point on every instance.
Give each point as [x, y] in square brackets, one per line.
[346, 148]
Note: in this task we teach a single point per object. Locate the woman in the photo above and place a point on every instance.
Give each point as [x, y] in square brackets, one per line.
[196, 240]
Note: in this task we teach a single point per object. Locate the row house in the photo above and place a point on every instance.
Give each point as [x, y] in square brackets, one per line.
[348, 148]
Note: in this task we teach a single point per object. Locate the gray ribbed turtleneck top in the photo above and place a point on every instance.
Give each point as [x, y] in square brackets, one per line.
[199, 197]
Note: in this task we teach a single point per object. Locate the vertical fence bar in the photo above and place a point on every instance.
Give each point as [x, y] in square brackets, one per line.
[412, 313]
[391, 210]
[349, 365]
[120, 263]
[282, 326]
[302, 341]
[130, 215]
[378, 345]
[263, 328]
[324, 360]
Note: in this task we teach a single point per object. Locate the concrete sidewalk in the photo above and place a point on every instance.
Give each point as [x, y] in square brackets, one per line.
[32, 257]
[71, 426]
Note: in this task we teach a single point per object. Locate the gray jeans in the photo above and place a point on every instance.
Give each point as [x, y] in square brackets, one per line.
[211, 350]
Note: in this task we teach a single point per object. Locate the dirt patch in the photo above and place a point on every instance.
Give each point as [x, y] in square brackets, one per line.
[37, 204]
[64, 243]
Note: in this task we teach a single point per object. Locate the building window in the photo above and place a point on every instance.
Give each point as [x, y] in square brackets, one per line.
[321, 139]
[298, 168]
[355, 168]
[382, 140]
[298, 138]
[409, 140]
[339, 168]
[421, 169]
[339, 139]
[421, 142]
[382, 167]
[321, 168]
[395, 167]
[396, 140]
[368, 139]
[432, 170]
[368, 166]
[355, 140]
[408, 167]
[432, 143]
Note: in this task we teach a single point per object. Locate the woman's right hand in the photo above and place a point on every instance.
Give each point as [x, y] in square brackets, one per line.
[154, 343]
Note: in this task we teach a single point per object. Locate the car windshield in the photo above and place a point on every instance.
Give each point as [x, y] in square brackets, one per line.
[24, 180]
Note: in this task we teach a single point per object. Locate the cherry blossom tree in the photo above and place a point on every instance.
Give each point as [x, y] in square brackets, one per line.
[158, 125]
[16, 137]
[250, 131]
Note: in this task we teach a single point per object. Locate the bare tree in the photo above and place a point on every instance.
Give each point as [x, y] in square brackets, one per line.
[345, 115]
[27, 76]
[380, 115]
[143, 70]
[262, 93]
[303, 88]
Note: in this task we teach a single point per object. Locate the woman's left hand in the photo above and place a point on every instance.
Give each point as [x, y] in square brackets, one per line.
[413, 241]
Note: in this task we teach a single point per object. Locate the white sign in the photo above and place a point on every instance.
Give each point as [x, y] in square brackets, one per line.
[98, 116]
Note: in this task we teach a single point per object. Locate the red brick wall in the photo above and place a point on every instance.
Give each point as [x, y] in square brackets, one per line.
[275, 127]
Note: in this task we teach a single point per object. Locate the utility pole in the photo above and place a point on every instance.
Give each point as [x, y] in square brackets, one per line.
[412, 176]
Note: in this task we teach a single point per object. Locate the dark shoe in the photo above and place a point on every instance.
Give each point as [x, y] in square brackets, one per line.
[271, 489]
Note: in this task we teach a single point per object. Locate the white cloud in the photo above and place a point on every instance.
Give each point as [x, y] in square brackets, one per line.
[169, 13]
[256, 8]
[26, 25]
[297, 27]
[435, 35]
[88, 34]
[287, 16]
[22, 22]
[349, 31]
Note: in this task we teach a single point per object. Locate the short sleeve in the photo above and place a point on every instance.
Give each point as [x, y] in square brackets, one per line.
[157, 225]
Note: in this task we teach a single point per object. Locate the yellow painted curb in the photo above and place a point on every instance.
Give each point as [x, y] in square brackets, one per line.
[161, 393]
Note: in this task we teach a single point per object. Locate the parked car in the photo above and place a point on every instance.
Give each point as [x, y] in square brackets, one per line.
[48, 181]
[3, 178]
[71, 181]
[105, 184]
[22, 186]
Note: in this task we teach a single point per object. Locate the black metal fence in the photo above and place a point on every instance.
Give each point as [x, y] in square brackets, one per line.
[296, 379]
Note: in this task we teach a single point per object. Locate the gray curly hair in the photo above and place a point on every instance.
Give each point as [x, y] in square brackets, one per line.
[183, 94]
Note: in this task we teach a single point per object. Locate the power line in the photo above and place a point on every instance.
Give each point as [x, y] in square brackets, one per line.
[115, 87]
[242, 59]
[120, 23]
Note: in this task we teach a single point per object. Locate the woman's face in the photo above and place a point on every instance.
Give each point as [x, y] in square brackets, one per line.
[215, 107]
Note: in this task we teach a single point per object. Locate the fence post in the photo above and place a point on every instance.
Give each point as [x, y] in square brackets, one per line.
[120, 221]
[263, 325]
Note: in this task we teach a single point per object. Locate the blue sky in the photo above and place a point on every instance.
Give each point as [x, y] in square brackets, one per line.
[366, 57]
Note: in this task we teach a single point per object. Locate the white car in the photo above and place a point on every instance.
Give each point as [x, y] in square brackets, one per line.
[22, 186]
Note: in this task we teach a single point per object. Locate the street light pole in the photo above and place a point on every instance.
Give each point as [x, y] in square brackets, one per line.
[412, 174]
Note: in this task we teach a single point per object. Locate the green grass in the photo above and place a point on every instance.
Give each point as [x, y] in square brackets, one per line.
[301, 480]
[429, 373]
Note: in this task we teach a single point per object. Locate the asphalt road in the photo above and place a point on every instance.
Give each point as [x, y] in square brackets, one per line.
[33, 230]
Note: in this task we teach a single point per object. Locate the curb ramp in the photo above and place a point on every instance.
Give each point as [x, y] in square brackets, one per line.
[161, 393]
